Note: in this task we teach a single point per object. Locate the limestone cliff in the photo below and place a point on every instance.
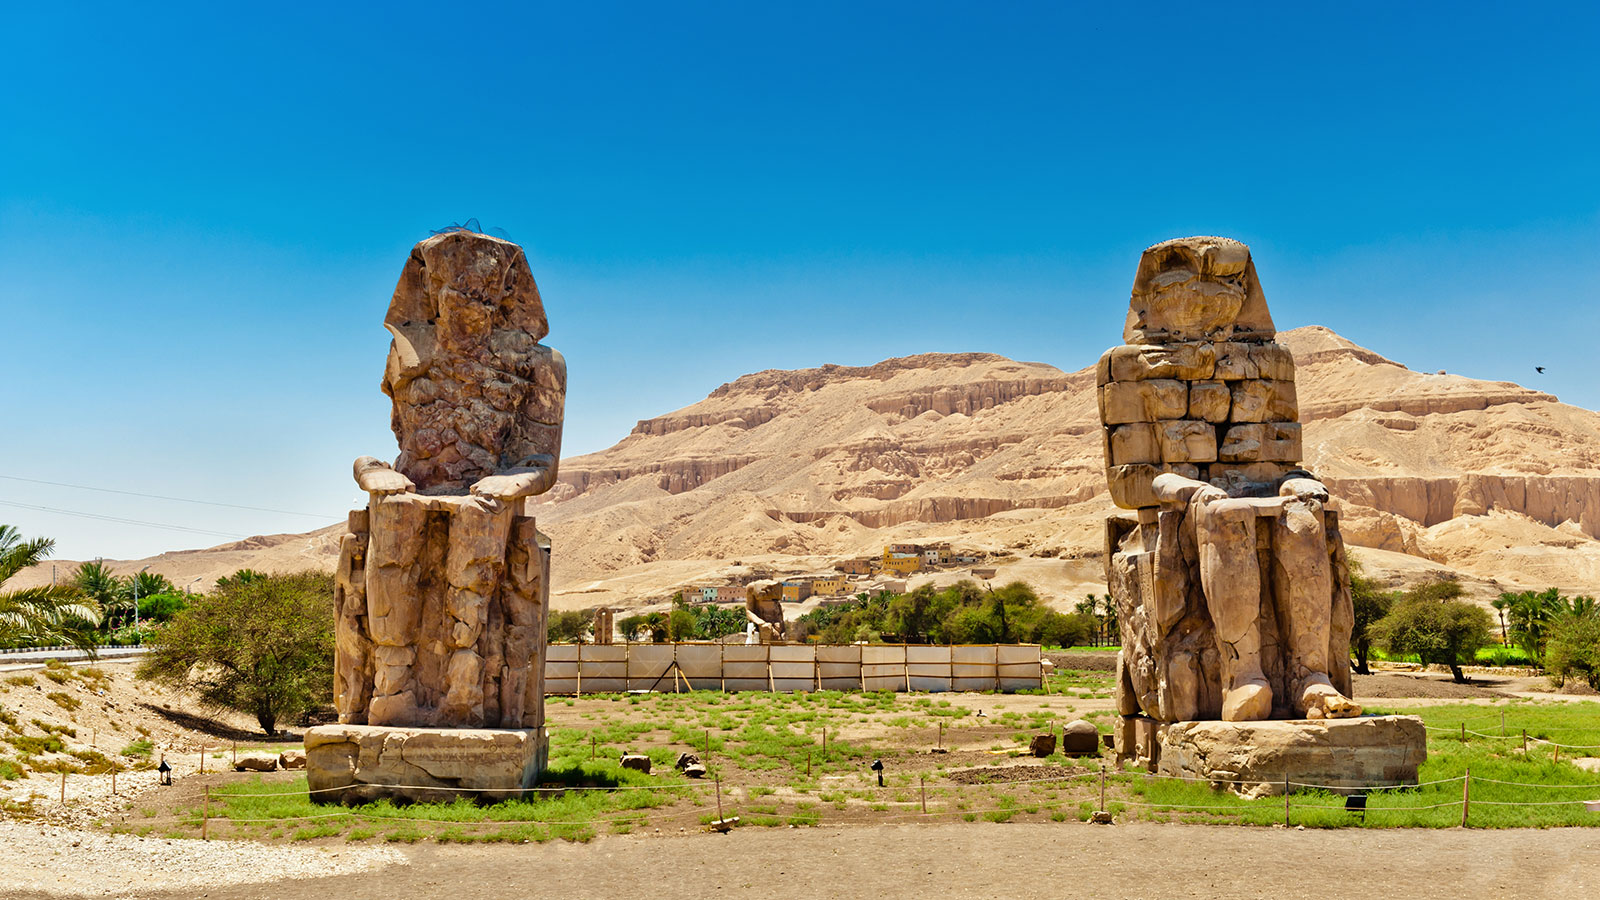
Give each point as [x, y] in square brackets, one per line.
[794, 469]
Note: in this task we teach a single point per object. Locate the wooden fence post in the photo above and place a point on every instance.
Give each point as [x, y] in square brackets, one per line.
[1466, 796]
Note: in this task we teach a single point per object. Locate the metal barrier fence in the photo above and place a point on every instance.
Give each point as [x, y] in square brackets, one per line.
[609, 668]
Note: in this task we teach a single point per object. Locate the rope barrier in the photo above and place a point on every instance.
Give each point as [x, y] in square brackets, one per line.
[1527, 802]
[1376, 787]
[1518, 737]
[1592, 787]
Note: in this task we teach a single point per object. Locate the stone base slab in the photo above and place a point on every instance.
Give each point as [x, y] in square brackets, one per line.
[1253, 758]
[362, 763]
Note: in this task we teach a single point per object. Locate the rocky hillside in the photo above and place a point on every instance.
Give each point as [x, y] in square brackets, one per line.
[793, 469]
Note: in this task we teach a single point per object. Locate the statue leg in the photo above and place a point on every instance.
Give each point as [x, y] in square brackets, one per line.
[1231, 577]
[524, 640]
[1303, 581]
[394, 606]
[352, 683]
[474, 565]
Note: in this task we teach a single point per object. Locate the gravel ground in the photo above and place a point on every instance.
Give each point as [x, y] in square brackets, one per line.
[73, 862]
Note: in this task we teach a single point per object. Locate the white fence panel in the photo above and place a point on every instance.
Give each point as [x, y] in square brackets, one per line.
[650, 667]
[883, 667]
[839, 666]
[972, 667]
[929, 667]
[794, 667]
[744, 667]
[604, 667]
[701, 664]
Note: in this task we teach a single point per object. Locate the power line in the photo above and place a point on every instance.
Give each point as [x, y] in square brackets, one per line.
[84, 487]
[85, 515]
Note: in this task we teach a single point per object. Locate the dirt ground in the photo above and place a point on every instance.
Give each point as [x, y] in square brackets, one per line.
[853, 853]
[1022, 861]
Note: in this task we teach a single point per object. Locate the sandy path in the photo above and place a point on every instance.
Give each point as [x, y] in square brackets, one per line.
[1025, 861]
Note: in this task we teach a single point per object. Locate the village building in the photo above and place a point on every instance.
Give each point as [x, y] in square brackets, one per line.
[829, 585]
[857, 566]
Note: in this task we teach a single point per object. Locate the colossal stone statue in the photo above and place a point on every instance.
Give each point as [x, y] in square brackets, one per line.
[1232, 582]
[443, 581]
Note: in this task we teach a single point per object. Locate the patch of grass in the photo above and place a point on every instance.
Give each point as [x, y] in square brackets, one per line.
[361, 833]
[20, 680]
[566, 815]
[58, 676]
[62, 730]
[11, 770]
[140, 749]
[65, 701]
[312, 832]
[1538, 778]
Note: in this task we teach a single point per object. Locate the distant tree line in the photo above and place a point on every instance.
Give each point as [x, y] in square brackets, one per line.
[1558, 633]
[963, 613]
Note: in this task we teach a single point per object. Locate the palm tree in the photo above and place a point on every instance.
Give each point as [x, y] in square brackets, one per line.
[42, 615]
[95, 581]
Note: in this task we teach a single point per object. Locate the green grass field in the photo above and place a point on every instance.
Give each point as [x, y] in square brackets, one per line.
[766, 750]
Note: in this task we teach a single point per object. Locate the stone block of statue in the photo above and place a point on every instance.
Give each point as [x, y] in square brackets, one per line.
[763, 612]
[1231, 579]
[443, 582]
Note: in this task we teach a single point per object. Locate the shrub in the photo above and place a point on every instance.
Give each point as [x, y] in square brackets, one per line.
[140, 749]
[65, 701]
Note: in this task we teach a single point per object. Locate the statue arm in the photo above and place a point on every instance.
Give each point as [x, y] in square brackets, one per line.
[1173, 489]
[533, 475]
[378, 477]
[1301, 485]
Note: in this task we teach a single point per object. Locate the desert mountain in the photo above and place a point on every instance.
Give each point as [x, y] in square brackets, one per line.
[792, 470]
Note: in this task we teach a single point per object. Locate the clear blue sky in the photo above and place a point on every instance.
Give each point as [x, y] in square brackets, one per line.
[203, 210]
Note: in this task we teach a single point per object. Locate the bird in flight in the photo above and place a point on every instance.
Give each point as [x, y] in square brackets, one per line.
[1539, 369]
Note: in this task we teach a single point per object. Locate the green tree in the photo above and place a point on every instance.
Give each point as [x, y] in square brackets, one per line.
[714, 622]
[569, 626]
[263, 647]
[45, 615]
[96, 581]
[1573, 648]
[681, 625]
[633, 628]
[1370, 605]
[1530, 613]
[656, 623]
[1445, 632]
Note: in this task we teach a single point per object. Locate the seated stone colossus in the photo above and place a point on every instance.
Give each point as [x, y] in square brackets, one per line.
[443, 582]
[1230, 580]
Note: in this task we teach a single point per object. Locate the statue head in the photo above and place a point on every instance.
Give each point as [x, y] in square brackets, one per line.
[1200, 389]
[474, 391]
[1197, 288]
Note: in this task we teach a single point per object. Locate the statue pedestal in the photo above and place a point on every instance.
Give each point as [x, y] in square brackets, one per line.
[363, 763]
[1253, 758]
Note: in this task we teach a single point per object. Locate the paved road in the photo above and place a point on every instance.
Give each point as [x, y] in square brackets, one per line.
[33, 659]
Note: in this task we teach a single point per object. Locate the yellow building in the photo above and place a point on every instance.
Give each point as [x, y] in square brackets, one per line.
[829, 586]
[899, 562]
[795, 591]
